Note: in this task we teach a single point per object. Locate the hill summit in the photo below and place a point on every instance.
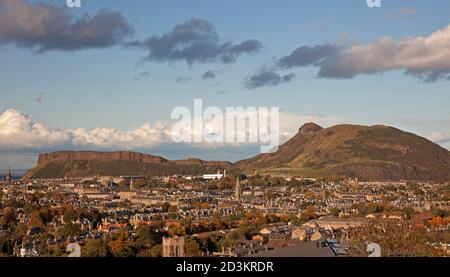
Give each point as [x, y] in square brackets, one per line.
[367, 152]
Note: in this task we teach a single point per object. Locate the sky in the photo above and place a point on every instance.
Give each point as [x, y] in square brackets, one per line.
[107, 75]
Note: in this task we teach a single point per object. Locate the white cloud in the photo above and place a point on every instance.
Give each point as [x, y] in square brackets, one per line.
[18, 132]
[427, 57]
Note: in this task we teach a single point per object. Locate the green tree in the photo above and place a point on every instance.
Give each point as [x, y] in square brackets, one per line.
[6, 245]
[335, 211]
[149, 235]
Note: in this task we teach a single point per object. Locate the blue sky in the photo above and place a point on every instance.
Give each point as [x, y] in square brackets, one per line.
[107, 86]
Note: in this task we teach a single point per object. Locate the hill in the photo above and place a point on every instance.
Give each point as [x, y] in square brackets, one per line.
[367, 152]
[91, 163]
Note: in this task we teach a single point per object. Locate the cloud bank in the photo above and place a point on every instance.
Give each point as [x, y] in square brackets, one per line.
[19, 133]
[423, 57]
[45, 27]
[194, 41]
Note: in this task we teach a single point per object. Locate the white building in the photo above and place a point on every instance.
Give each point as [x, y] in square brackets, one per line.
[217, 176]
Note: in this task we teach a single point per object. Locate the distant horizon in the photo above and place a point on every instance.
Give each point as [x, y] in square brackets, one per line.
[148, 152]
[328, 62]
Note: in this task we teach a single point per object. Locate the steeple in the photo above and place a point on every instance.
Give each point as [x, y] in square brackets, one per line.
[237, 190]
[9, 177]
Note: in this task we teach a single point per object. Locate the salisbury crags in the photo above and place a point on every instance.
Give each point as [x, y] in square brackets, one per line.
[91, 163]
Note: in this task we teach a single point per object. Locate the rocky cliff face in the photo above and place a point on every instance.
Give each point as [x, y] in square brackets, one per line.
[91, 163]
[64, 156]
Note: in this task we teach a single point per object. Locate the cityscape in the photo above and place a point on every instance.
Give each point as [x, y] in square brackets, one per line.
[224, 129]
[223, 214]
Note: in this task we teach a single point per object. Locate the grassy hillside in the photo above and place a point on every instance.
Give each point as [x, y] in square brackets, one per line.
[370, 153]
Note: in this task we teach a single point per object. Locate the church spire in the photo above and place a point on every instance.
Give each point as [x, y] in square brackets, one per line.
[9, 177]
[237, 190]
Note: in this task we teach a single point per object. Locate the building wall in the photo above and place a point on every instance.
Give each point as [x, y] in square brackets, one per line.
[173, 247]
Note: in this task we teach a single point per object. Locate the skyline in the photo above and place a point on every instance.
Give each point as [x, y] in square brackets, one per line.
[330, 64]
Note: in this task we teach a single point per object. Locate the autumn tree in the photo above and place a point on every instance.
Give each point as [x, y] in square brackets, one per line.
[308, 214]
[95, 248]
[70, 230]
[395, 239]
[120, 248]
[8, 216]
[35, 220]
[155, 251]
[192, 248]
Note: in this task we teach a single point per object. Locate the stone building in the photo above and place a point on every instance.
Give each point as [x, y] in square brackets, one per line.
[173, 247]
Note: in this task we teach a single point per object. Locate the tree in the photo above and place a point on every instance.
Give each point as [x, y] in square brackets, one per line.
[165, 207]
[437, 221]
[46, 215]
[192, 248]
[187, 225]
[54, 251]
[95, 248]
[70, 214]
[70, 230]
[120, 248]
[395, 239]
[6, 245]
[308, 214]
[172, 212]
[35, 220]
[148, 235]
[19, 231]
[335, 211]
[123, 184]
[155, 251]
[8, 216]
[30, 207]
